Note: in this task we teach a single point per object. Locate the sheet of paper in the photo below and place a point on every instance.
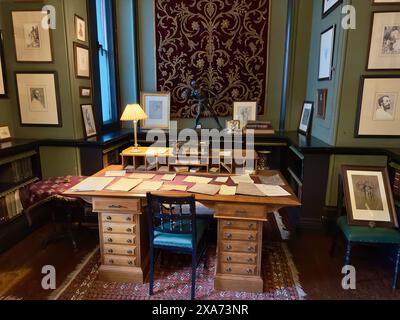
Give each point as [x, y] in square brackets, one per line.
[169, 177]
[272, 191]
[167, 187]
[207, 189]
[275, 180]
[227, 191]
[242, 179]
[163, 169]
[92, 184]
[222, 180]
[149, 186]
[121, 173]
[144, 176]
[249, 189]
[125, 185]
[200, 180]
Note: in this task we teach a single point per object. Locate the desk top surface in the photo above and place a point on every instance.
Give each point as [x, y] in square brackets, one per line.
[288, 201]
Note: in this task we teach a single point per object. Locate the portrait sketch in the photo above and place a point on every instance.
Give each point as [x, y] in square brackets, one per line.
[155, 110]
[80, 29]
[245, 112]
[157, 107]
[82, 61]
[367, 193]
[385, 106]
[391, 40]
[32, 36]
[37, 100]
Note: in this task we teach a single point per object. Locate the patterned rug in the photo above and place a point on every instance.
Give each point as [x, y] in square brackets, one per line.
[173, 280]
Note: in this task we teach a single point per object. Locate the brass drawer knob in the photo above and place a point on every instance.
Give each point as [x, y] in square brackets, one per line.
[229, 259]
[251, 225]
[228, 269]
[251, 237]
[229, 247]
[130, 241]
[109, 218]
[229, 235]
[251, 249]
[129, 230]
[129, 219]
[110, 251]
[110, 240]
[130, 252]
[130, 262]
[250, 260]
[249, 271]
[109, 229]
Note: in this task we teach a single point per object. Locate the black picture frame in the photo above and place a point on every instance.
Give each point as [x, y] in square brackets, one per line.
[3, 64]
[84, 47]
[325, 13]
[322, 96]
[329, 77]
[305, 127]
[359, 108]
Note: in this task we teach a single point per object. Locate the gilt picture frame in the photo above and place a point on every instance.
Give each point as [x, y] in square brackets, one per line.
[368, 197]
[80, 28]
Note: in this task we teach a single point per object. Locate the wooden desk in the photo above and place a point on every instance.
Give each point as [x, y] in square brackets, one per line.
[124, 234]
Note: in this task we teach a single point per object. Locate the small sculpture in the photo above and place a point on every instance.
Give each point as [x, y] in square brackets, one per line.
[204, 100]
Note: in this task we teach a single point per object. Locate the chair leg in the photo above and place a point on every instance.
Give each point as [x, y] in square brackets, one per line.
[151, 290]
[396, 269]
[347, 261]
[194, 267]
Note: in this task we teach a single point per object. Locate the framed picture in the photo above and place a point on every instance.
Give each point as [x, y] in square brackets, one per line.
[32, 41]
[82, 61]
[88, 120]
[327, 47]
[233, 126]
[5, 134]
[368, 197]
[85, 92]
[3, 84]
[322, 96]
[244, 112]
[38, 98]
[80, 28]
[379, 2]
[378, 107]
[157, 107]
[329, 5]
[384, 48]
[306, 116]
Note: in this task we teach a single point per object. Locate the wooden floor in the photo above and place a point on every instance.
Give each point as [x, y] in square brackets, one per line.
[320, 275]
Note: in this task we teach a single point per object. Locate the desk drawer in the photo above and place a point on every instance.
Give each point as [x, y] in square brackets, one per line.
[241, 211]
[119, 218]
[238, 269]
[119, 228]
[116, 205]
[243, 258]
[111, 249]
[235, 224]
[119, 261]
[239, 246]
[118, 239]
[241, 235]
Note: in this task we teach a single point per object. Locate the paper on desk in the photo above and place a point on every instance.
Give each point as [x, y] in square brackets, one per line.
[222, 180]
[272, 191]
[169, 177]
[163, 169]
[173, 188]
[275, 180]
[149, 186]
[249, 189]
[207, 189]
[125, 185]
[227, 191]
[92, 184]
[144, 176]
[242, 179]
[120, 173]
[200, 180]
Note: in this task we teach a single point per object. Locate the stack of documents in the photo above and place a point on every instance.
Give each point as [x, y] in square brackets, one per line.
[249, 189]
[242, 179]
[207, 189]
[125, 185]
[92, 184]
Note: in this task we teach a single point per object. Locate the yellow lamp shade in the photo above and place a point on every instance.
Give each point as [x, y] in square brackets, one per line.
[133, 112]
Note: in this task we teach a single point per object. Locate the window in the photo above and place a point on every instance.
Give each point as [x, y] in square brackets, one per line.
[104, 61]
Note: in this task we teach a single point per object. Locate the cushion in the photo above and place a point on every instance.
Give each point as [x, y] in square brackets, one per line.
[183, 241]
[369, 235]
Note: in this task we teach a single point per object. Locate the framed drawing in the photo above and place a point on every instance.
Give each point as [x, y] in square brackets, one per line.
[378, 113]
[306, 117]
[82, 61]
[157, 107]
[85, 92]
[233, 126]
[384, 48]
[80, 28]
[329, 5]
[327, 48]
[3, 84]
[245, 112]
[5, 134]
[88, 120]
[368, 197]
[380, 2]
[38, 98]
[32, 41]
[322, 97]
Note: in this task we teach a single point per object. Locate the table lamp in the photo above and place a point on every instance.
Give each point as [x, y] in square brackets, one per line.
[135, 113]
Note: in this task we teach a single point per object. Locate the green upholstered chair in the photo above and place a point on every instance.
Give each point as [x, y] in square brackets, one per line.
[356, 235]
[174, 226]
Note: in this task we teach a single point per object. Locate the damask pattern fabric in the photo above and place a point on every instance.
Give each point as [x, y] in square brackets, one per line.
[222, 44]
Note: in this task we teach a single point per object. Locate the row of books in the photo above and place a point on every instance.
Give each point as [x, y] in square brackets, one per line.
[16, 171]
[260, 127]
[396, 189]
[10, 206]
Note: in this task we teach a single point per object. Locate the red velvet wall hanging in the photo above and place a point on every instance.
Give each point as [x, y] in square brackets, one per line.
[222, 44]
